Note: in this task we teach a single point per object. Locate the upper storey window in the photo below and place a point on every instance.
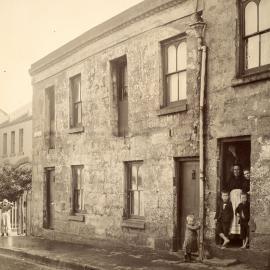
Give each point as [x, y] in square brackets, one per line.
[255, 35]
[175, 70]
[76, 102]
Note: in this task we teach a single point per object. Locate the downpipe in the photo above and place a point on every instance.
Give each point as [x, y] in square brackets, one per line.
[203, 50]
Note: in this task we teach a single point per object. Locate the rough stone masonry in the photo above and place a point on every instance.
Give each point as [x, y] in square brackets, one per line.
[237, 109]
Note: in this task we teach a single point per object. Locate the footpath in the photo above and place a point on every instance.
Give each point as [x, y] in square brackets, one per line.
[100, 255]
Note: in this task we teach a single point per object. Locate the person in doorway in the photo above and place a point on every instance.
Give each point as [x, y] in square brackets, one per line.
[246, 184]
[191, 237]
[243, 212]
[235, 185]
[5, 206]
[224, 217]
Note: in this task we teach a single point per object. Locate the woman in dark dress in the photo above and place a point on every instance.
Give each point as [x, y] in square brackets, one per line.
[234, 186]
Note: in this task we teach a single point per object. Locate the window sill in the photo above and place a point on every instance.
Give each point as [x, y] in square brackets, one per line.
[12, 155]
[134, 224]
[76, 130]
[21, 154]
[250, 78]
[77, 217]
[5, 156]
[175, 108]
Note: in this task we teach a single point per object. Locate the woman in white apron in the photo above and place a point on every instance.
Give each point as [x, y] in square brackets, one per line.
[235, 185]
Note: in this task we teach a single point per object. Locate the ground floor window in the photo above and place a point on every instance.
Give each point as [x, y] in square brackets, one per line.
[134, 190]
[233, 207]
[77, 189]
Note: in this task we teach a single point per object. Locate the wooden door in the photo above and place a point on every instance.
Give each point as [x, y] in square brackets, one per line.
[188, 195]
[50, 198]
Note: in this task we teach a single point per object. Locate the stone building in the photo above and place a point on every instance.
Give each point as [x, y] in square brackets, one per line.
[125, 144]
[16, 137]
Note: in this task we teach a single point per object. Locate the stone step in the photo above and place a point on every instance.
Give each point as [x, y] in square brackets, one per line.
[220, 262]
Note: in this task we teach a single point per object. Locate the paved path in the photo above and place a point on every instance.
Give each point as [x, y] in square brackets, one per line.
[99, 255]
[11, 263]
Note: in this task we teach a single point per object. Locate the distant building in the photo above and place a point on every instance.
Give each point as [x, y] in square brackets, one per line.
[16, 137]
[123, 147]
[3, 116]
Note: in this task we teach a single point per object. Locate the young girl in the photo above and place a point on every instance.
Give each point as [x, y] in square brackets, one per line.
[191, 237]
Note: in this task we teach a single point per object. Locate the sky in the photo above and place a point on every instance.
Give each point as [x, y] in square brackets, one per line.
[30, 29]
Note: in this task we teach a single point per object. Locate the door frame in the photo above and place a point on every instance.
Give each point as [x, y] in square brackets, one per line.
[220, 164]
[46, 200]
[176, 195]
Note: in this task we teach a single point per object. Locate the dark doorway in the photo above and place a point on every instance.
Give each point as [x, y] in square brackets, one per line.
[233, 151]
[187, 171]
[49, 210]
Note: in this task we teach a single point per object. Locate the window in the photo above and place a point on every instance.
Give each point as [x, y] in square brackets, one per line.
[134, 184]
[76, 102]
[21, 141]
[50, 116]
[12, 143]
[120, 88]
[77, 184]
[175, 73]
[4, 144]
[255, 41]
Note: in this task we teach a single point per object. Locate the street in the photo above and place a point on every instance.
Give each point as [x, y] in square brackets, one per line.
[12, 263]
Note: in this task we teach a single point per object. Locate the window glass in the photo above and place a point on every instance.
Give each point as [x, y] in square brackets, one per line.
[171, 59]
[136, 203]
[76, 91]
[182, 85]
[264, 15]
[134, 177]
[139, 178]
[252, 52]
[182, 56]
[265, 48]
[173, 87]
[251, 18]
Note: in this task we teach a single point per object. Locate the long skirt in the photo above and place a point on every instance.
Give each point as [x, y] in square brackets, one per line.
[5, 222]
[235, 197]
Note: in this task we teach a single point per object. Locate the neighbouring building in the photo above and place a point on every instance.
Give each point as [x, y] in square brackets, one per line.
[120, 132]
[3, 116]
[16, 137]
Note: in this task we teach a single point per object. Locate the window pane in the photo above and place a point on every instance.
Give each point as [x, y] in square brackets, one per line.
[182, 85]
[171, 59]
[251, 18]
[135, 203]
[134, 177]
[252, 52]
[265, 49]
[139, 179]
[182, 56]
[141, 204]
[264, 18]
[76, 89]
[173, 87]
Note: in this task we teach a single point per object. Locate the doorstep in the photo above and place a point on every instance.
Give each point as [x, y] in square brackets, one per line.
[254, 258]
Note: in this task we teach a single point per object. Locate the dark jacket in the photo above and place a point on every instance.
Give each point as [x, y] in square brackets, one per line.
[224, 215]
[243, 209]
[233, 183]
[246, 186]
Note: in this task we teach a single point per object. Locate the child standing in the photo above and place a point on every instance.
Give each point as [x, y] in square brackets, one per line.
[223, 218]
[243, 212]
[5, 206]
[191, 237]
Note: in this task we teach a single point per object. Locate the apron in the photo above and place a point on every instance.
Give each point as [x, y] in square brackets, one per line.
[235, 197]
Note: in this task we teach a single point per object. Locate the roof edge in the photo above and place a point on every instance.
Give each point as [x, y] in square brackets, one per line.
[120, 21]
